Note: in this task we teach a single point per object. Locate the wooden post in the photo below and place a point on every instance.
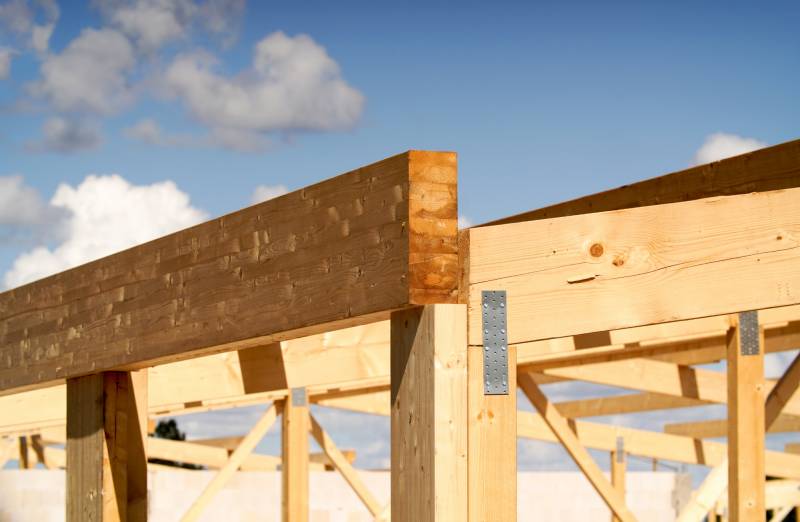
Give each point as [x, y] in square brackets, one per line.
[24, 456]
[137, 447]
[294, 469]
[746, 418]
[429, 414]
[103, 448]
[618, 468]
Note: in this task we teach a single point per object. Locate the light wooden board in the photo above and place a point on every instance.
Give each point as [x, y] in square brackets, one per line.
[771, 168]
[342, 252]
[294, 454]
[598, 272]
[429, 414]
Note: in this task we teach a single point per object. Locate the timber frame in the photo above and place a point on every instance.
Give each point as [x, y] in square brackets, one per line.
[360, 293]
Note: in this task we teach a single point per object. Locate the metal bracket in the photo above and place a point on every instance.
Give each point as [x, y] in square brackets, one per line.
[495, 343]
[620, 449]
[299, 397]
[749, 339]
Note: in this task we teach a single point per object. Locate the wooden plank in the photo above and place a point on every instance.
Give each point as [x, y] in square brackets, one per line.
[651, 444]
[342, 252]
[561, 428]
[429, 414]
[619, 463]
[344, 467]
[622, 404]
[771, 168]
[611, 270]
[746, 396]
[23, 458]
[294, 468]
[97, 456]
[719, 428]
[137, 446]
[238, 456]
[782, 394]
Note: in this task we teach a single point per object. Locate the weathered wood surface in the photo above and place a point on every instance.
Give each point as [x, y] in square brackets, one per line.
[771, 168]
[599, 272]
[342, 252]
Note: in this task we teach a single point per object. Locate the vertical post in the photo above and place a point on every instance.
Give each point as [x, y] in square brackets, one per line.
[746, 418]
[618, 467]
[100, 438]
[294, 466]
[429, 414]
[137, 446]
[24, 455]
[492, 444]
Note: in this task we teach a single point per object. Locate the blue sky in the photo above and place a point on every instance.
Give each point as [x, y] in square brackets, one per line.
[543, 102]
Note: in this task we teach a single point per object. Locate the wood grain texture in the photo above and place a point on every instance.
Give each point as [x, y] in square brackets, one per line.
[771, 168]
[294, 463]
[746, 398]
[719, 428]
[345, 251]
[605, 271]
[619, 465]
[429, 414]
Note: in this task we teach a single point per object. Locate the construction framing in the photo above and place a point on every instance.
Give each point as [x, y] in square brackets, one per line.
[360, 293]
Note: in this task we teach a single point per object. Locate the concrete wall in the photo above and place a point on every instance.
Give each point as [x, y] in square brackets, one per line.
[38, 496]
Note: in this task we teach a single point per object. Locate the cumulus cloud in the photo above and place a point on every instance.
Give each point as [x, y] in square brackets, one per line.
[90, 74]
[19, 203]
[721, 145]
[155, 23]
[147, 130]
[105, 214]
[292, 84]
[66, 136]
[33, 21]
[266, 192]
[5, 62]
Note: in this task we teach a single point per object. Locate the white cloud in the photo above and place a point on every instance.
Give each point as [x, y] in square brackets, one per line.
[106, 214]
[5, 62]
[147, 130]
[464, 222]
[90, 74]
[67, 135]
[19, 203]
[292, 85]
[266, 192]
[21, 17]
[721, 145]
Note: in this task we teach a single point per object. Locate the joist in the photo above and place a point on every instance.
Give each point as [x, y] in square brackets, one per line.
[651, 444]
[622, 404]
[770, 168]
[719, 427]
[648, 265]
[339, 253]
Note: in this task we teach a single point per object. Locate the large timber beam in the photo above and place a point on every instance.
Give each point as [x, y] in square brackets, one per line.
[771, 168]
[610, 270]
[343, 252]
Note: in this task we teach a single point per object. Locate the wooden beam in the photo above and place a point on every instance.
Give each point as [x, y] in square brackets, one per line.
[561, 429]
[208, 456]
[705, 497]
[236, 459]
[137, 446]
[719, 428]
[102, 439]
[343, 252]
[623, 404]
[618, 467]
[23, 458]
[611, 270]
[429, 414]
[746, 396]
[650, 444]
[294, 468]
[782, 394]
[343, 466]
[771, 168]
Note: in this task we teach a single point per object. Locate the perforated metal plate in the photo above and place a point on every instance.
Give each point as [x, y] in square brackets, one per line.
[299, 397]
[495, 343]
[749, 342]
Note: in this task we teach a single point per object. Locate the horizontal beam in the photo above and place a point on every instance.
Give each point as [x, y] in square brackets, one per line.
[711, 429]
[648, 265]
[343, 252]
[771, 168]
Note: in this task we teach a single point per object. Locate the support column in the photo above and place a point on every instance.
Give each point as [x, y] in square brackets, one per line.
[618, 468]
[429, 414]
[24, 458]
[746, 418]
[103, 448]
[294, 466]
